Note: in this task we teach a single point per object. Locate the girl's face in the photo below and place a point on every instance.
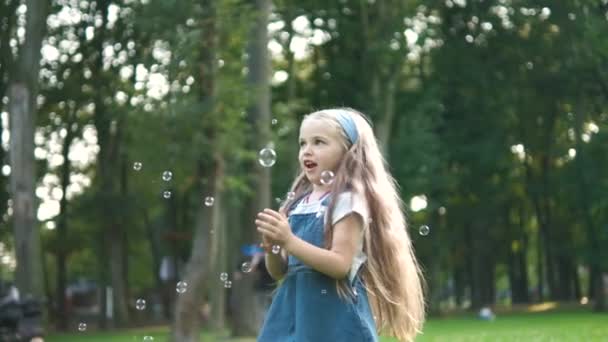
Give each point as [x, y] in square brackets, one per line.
[321, 148]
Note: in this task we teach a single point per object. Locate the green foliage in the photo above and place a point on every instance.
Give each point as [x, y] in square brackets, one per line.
[490, 100]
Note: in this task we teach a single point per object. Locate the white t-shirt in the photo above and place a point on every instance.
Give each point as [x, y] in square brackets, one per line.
[346, 203]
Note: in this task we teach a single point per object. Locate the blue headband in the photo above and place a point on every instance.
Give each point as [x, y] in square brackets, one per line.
[347, 123]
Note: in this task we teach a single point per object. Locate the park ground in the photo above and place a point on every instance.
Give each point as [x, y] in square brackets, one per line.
[539, 323]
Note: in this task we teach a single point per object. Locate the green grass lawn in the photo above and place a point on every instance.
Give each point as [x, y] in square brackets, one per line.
[536, 327]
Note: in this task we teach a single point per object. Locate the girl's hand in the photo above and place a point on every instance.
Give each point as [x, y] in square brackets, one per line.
[274, 227]
[266, 244]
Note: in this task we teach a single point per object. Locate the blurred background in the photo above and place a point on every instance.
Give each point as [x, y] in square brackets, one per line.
[140, 137]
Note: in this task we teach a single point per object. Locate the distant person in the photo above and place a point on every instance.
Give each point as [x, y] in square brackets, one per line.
[8, 292]
[263, 283]
[20, 316]
[340, 245]
[255, 256]
[486, 314]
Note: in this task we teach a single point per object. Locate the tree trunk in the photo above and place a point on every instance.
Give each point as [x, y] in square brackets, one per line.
[593, 274]
[215, 285]
[103, 248]
[123, 220]
[548, 226]
[471, 257]
[519, 272]
[482, 267]
[489, 273]
[119, 298]
[522, 283]
[541, 240]
[156, 259]
[459, 286]
[246, 322]
[540, 268]
[27, 236]
[577, 283]
[528, 182]
[186, 327]
[112, 227]
[593, 238]
[62, 227]
[109, 141]
[599, 295]
[292, 90]
[102, 269]
[513, 275]
[386, 106]
[545, 254]
[23, 91]
[518, 277]
[566, 283]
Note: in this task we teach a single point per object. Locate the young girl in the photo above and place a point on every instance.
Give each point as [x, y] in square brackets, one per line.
[339, 244]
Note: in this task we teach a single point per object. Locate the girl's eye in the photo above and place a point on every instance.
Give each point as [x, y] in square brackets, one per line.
[316, 142]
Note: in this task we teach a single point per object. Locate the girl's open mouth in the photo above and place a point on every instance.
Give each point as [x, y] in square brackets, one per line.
[309, 165]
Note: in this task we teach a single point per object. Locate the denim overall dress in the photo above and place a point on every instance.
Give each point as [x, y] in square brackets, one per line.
[306, 306]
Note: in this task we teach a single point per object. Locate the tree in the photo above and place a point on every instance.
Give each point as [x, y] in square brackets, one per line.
[23, 92]
[247, 319]
[186, 326]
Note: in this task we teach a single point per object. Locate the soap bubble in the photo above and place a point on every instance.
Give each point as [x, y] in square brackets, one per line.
[267, 157]
[140, 304]
[327, 177]
[209, 201]
[246, 267]
[181, 287]
[424, 230]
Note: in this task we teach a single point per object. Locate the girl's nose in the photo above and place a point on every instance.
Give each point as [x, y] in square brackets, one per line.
[306, 151]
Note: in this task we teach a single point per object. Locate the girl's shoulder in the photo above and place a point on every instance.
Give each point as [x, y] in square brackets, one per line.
[344, 202]
[299, 205]
[347, 202]
[350, 198]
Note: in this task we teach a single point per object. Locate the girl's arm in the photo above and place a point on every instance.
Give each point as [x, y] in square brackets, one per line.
[276, 264]
[337, 261]
[334, 263]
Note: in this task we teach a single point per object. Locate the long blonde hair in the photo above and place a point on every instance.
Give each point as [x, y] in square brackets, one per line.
[391, 274]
